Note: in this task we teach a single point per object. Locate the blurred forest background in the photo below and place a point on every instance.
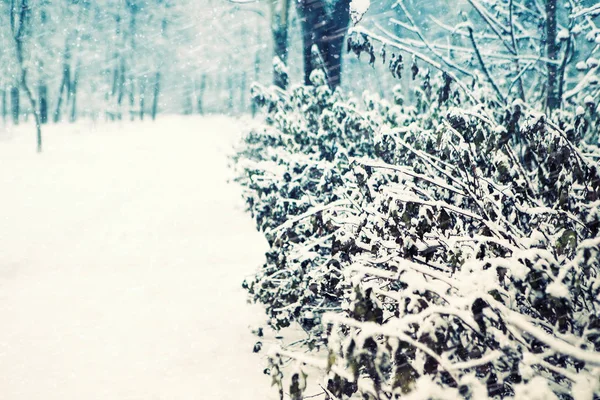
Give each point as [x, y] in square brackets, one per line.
[135, 58]
[130, 59]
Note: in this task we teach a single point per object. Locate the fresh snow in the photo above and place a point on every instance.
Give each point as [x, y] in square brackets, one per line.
[123, 249]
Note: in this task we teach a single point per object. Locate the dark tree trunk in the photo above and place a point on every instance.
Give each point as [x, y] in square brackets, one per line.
[142, 98]
[230, 96]
[325, 30]
[14, 104]
[200, 95]
[279, 30]
[65, 85]
[64, 88]
[257, 59]
[32, 103]
[73, 93]
[156, 88]
[131, 93]
[115, 81]
[120, 87]
[188, 103]
[280, 43]
[334, 41]
[43, 103]
[256, 77]
[155, 95]
[552, 48]
[19, 36]
[4, 106]
[243, 92]
[133, 8]
[309, 12]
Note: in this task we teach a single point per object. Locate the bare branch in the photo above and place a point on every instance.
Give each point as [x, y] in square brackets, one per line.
[592, 11]
[484, 68]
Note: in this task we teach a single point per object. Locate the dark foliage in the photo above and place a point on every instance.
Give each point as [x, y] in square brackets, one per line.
[445, 249]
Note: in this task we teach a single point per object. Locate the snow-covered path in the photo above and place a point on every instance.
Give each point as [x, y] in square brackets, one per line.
[122, 250]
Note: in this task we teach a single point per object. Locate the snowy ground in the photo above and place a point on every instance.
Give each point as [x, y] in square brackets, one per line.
[122, 250]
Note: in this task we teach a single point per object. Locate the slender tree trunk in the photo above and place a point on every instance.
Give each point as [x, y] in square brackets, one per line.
[243, 92]
[36, 114]
[218, 89]
[200, 95]
[4, 107]
[32, 102]
[156, 95]
[131, 92]
[231, 94]
[156, 89]
[142, 98]
[61, 90]
[19, 36]
[256, 77]
[73, 116]
[73, 92]
[15, 110]
[65, 85]
[552, 48]
[121, 87]
[257, 60]
[188, 107]
[133, 10]
[115, 80]
[116, 92]
[43, 102]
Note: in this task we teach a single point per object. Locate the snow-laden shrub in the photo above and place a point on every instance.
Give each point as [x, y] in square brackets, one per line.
[445, 249]
[293, 168]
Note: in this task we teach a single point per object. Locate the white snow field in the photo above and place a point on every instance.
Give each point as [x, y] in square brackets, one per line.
[122, 252]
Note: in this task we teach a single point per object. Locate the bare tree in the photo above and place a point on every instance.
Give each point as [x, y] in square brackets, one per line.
[4, 107]
[117, 57]
[15, 110]
[500, 46]
[19, 17]
[65, 85]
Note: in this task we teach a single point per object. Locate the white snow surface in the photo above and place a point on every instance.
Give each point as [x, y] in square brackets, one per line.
[122, 252]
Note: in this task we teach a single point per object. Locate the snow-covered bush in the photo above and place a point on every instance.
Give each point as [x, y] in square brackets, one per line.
[440, 249]
[294, 168]
[449, 244]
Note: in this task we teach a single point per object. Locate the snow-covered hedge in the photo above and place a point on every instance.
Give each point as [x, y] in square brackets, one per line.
[439, 250]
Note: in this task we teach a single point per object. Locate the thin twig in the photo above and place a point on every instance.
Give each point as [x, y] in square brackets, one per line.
[483, 66]
[420, 35]
[516, 50]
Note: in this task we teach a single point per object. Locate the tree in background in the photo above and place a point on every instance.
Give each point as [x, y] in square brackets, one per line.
[20, 25]
[499, 44]
[118, 59]
[126, 59]
[324, 26]
[323, 29]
